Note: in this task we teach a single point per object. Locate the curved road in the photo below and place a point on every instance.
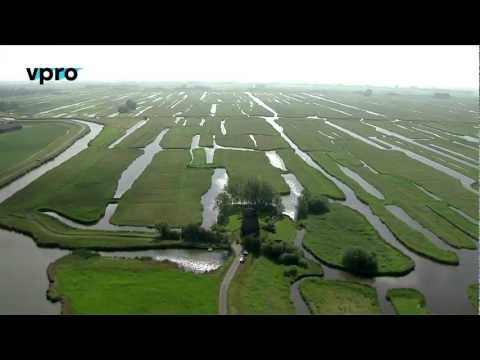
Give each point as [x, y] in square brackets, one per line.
[223, 295]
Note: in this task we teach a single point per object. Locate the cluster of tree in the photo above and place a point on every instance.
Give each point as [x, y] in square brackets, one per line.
[193, 233]
[165, 233]
[196, 234]
[311, 204]
[359, 261]
[255, 194]
[129, 105]
[276, 250]
[8, 105]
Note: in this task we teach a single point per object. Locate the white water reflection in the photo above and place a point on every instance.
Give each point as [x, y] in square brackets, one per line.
[222, 128]
[193, 260]
[253, 139]
[138, 166]
[128, 132]
[275, 160]
[290, 202]
[213, 109]
[210, 210]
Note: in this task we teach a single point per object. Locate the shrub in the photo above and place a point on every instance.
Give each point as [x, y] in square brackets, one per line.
[165, 233]
[317, 205]
[302, 209]
[272, 249]
[359, 261]
[195, 233]
[289, 259]
[291, 271]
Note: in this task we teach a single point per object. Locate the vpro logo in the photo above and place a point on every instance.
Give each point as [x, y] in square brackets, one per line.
[46, 74]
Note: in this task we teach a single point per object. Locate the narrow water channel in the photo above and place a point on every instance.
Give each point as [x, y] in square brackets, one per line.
[210, 212]
[102, 224]
[127, 133]
[138, 166]
[428, 277]
[362, 182]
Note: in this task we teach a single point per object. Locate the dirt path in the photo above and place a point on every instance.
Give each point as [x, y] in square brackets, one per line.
[223, 295]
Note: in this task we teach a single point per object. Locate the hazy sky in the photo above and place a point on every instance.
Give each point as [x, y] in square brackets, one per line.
[423, 66]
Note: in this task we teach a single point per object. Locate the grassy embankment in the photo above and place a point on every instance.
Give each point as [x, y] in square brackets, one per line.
[331, 297]
[407, 302]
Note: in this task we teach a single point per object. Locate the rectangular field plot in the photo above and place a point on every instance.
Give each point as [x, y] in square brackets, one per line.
[167, 191]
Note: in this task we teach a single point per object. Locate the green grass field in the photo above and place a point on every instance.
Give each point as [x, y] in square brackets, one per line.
[407, 302]
[168, 191]
[260, 288]
[102, 285]
[328, 236]
[34, 144]
[329, 297]
[244, 165]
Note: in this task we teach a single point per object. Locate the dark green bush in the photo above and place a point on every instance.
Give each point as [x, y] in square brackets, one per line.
[291, 271]
[317, 205]
[165, 233]
[289, 259]
[359, 261]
